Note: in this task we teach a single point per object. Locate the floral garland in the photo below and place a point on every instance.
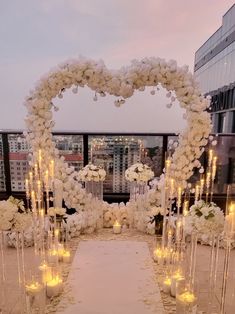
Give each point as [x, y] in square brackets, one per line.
[121, 83]
[91, 173]
[139, 173]
[205, 218]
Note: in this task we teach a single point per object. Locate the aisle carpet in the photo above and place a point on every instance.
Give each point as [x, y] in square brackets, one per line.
[113, 277]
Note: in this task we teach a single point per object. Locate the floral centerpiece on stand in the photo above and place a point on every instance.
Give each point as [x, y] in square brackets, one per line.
[206, 219]
[93, 176]
[91, 173]
[139, 172]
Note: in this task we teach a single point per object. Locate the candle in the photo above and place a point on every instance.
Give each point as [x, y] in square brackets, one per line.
[197, 190]
[166, 287]
[169, 238]
[31, 180]
[117, 228]
[179, 197]
[210, 157]
[171, 188]
[33, 288]
[33, 200]
[214, 168]
[202, 182]
[167, 165]
[56, 236]
[158, 256]
[36, 171]
[185, 208]
[208, 179]
[60, 250]
[179, 230]
[66, 256]
[46, 272]
[187, 298]
[54, 287]
[177, 276]
[230, 221]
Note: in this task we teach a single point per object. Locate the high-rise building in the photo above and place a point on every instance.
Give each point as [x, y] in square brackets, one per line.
[215, 71]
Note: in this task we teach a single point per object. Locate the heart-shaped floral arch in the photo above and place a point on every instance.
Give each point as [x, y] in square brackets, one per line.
[120, 83]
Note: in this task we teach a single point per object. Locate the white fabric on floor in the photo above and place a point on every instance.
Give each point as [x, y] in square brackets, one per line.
[113, 277]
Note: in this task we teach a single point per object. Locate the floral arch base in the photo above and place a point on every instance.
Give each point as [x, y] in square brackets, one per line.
[122, 84]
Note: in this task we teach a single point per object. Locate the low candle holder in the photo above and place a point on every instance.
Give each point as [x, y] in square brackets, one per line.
[35, 297]
[117, 228]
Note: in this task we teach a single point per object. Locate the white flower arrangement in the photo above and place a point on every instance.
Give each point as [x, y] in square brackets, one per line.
[58, 211]
[13, 215]
[139, 173]
[205, 218]
[91, 173]
[121, 83]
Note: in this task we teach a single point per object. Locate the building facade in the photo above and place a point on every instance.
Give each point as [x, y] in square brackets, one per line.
[215, 71]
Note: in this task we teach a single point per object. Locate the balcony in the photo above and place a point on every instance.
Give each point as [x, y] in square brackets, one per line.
[115, 152]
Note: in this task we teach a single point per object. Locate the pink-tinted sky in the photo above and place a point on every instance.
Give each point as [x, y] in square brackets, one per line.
[36, 35]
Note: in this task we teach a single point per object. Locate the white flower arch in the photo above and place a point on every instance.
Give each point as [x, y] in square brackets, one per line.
[121, 83]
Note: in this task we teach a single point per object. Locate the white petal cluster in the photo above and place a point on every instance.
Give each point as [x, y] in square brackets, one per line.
[206, 219]
[91, 173]
[139, 172]
[11, 238]
[8, 211]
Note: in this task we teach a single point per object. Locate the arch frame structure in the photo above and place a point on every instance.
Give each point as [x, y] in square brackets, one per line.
[122, 83]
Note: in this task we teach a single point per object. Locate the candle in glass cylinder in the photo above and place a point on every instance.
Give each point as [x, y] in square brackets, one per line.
[166, 286]
[158, 256]
[186, 302]
[66, 256]
[54, 287]
[210, 158]
[33, 201]
[33, 289]
[117, 228]
[177, 276]
[179, 198]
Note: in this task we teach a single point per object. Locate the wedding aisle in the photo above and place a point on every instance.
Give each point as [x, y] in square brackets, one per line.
[113, 277]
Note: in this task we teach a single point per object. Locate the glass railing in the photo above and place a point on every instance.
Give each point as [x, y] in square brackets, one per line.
[115, 152]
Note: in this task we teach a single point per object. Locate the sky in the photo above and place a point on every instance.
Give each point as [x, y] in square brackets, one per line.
[37, 35]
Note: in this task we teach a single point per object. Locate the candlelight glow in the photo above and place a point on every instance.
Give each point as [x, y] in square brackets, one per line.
[66, 253]
[54, 281]
[187, 297]
[232, 208]
[167, 281]
[117, 224]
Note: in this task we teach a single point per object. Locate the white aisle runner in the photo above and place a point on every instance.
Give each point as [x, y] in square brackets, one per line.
[113, 277]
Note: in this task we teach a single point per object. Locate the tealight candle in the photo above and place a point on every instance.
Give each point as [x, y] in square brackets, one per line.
[166, 287]
[54, 287]
[66, 256]
[33, 288]
[186, 302]
[174, 279]
[158, 256]
[117, 228]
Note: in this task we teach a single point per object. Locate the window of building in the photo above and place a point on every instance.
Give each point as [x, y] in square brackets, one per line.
[221, 122]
